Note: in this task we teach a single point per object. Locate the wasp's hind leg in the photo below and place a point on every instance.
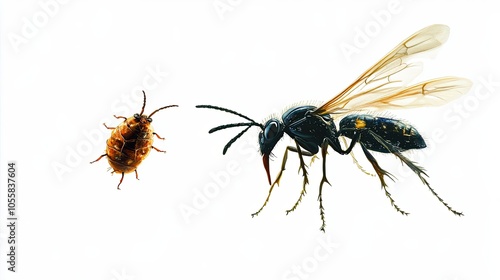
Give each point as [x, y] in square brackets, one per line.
[355, 161]
[415, 168]
[278, 177]
[381, 173]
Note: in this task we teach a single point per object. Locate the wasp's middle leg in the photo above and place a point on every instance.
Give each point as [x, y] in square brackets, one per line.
[324, 148]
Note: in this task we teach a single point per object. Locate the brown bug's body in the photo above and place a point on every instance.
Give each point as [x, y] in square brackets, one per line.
[130, 142]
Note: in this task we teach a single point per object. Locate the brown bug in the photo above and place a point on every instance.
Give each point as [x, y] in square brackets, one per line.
[130, 142]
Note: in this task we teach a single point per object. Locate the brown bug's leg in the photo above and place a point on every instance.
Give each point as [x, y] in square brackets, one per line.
[108, 126]
[99, 158]
[119, 117]
[159, 137]
[136, 175]
[158, 149]
[118, 187]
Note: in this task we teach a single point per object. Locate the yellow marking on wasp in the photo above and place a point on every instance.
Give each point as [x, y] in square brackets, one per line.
[360, 123]
[408, 131]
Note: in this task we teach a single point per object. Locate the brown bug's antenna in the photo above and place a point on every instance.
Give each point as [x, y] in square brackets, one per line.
[162, 109]
[143, 104]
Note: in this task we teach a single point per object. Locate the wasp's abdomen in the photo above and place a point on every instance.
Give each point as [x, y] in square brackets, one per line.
[399, 134]
[129, 144]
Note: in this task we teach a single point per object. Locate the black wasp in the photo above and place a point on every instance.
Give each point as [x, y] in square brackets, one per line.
[383, 86]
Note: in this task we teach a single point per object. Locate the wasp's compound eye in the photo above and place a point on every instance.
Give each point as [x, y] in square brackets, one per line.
[150, 120]
[271, 130]
[136, 116]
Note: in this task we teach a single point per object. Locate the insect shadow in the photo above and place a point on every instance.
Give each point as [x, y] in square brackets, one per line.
[383, 86]
[130, 142]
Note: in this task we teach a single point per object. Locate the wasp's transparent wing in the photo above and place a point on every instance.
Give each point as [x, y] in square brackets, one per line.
[434, 92]
[384, 85]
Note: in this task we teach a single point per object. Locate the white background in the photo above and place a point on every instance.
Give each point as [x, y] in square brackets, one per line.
[68, 67]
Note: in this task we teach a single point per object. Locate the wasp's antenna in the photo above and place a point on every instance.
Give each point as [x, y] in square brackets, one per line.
[234, 139]
[224, 126]
[220, 127]
[161, 109]
[231, 112]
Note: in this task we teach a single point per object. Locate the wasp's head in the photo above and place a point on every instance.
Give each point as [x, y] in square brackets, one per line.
[270, 135]
[271, 132]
